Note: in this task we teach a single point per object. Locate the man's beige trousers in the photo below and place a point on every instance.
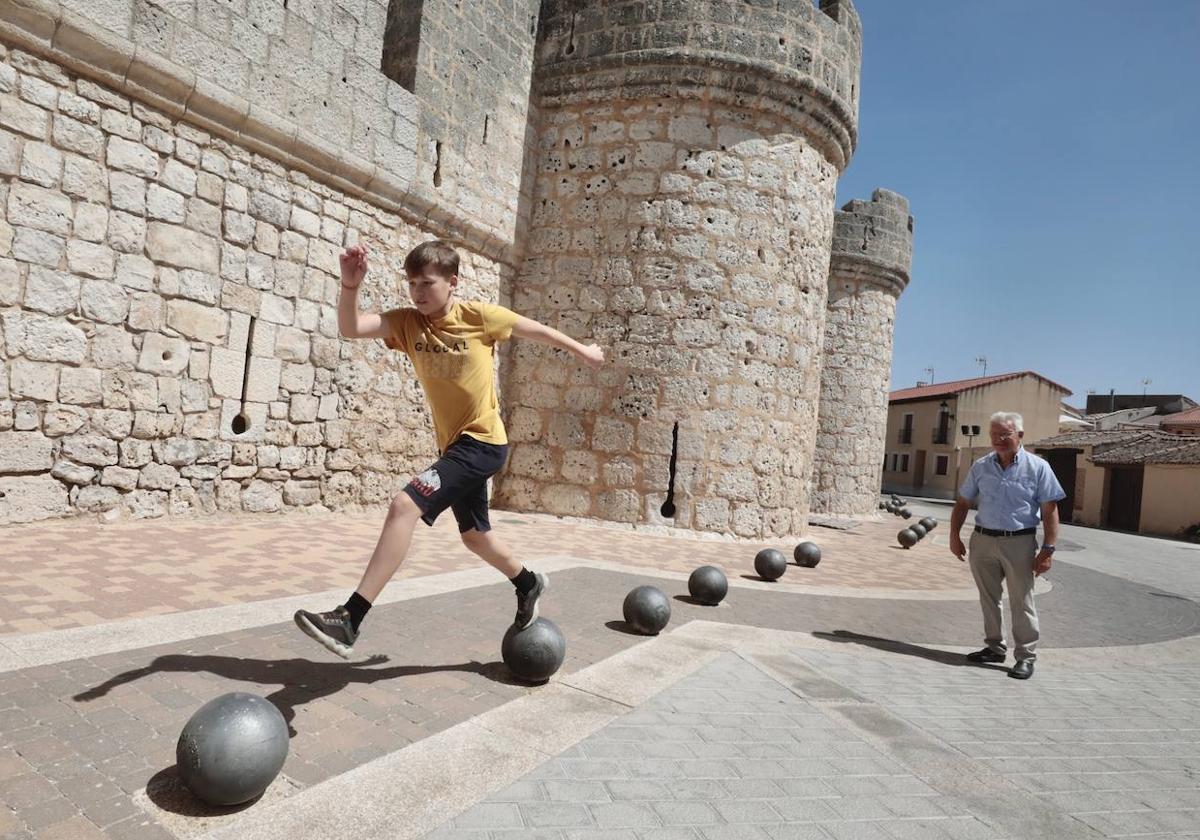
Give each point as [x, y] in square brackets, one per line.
[995, 560]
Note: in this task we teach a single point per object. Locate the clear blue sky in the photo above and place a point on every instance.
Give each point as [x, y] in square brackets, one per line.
[1051, 154]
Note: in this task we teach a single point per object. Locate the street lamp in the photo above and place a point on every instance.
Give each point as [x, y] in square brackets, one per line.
[970, 432]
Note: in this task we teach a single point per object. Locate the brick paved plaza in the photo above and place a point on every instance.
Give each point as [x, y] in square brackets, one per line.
[831, 704]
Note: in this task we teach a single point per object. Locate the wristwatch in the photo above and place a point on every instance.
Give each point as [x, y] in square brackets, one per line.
[1048, 547]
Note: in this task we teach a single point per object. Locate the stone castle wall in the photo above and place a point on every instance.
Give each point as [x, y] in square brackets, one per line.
[168, 332]
[869, 269]
[177, 178]
[307, 84]
[688, 157]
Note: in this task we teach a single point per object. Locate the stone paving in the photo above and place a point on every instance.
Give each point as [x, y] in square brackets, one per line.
[1103, 737]
[69, 574]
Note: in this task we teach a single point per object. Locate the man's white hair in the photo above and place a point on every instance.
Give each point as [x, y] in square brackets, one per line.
[1006, 417]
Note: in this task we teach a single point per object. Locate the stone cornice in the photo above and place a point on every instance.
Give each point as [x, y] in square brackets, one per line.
[859, 269]
[799, 97]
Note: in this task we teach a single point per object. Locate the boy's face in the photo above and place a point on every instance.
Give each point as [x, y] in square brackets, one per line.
[430, 291]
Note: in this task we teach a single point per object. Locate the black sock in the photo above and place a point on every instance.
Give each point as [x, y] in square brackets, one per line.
[357, 606]
[524, 581]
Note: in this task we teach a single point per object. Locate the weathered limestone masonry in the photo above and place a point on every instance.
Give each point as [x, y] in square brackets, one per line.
[872, 254]
[687, 161]
[178, 179]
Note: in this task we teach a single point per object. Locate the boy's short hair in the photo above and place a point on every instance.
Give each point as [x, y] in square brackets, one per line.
[434, 253]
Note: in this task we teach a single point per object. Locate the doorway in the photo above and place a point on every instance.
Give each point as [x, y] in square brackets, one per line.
[1063, 462]
[1125, 498]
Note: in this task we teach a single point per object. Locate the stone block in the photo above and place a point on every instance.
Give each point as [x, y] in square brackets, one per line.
[31, 498]
[62, 420]
[263, 377]
[182, 248]
[52, 292]
[40, 208]
[72, 473]
[113, 423]
[104, 302]
[202, 323]
[25, 452]
[90, 449]
[158, 477]
[119, 477]
[85, 180]
[163, 356]
[38, 247]
[33, 380]
[41, 164]
[79, 386]
[135, 158]
[262, 497]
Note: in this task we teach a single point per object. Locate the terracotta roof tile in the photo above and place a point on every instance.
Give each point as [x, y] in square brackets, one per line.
[946, 389]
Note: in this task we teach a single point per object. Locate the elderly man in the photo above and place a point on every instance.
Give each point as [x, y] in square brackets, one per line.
[1011, 488]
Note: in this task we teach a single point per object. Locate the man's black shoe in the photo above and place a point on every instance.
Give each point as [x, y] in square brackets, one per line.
[1023, 670]
[985, 655]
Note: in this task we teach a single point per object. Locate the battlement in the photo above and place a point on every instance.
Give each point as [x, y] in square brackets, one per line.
[788, 57]
[873, 240]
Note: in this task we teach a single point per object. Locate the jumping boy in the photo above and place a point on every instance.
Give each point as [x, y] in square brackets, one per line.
[452, 346]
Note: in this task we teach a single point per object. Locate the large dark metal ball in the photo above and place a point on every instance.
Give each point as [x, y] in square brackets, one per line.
[646, 610]
[906, 513]
[907, 538]
[232, 748]
[535, 653]
[919, 530]
[807, 554]
[929, 522]
[770, 564]
[708, 585]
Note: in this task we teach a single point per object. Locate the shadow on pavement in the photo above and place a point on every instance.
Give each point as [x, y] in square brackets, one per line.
[942, 657]
[623, 627]
[303, 680]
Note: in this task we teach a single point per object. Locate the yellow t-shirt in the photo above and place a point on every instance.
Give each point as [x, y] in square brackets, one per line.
[453, 358]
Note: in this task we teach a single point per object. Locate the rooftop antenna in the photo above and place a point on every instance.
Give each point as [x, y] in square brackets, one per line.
[982, 360]
[1145, 382]
[929, 370]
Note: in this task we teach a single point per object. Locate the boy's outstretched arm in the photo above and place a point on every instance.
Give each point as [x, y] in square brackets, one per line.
[351, 322]
[529, 328]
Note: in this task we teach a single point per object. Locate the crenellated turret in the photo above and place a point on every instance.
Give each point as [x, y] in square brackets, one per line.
[688, 155]
[869, 269]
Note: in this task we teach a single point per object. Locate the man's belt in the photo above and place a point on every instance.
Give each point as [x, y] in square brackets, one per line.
[992, 532]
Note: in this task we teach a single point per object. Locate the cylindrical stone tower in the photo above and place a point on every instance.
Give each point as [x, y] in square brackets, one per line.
[872, 254]
[682, 209]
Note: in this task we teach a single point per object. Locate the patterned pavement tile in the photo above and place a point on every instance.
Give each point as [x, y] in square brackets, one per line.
[55, 575]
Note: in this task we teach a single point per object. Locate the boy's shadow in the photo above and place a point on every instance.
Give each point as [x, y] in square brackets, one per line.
[892, 646]
[303, 680]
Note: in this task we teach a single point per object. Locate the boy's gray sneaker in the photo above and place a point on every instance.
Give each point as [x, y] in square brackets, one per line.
[332, 629]
[527, 603]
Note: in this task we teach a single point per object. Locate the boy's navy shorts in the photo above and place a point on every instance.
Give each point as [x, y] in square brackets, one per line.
[458, 480]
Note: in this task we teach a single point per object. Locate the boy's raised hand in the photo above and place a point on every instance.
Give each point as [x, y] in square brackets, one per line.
[593, 355]
[353, 262]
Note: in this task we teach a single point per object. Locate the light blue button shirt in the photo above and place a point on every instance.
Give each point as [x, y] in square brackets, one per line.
[1010, 499]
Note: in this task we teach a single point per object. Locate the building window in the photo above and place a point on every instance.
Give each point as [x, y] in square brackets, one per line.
[401, 42]
[942, 465]
[906, 429]
[904, 462]
[941, 432]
